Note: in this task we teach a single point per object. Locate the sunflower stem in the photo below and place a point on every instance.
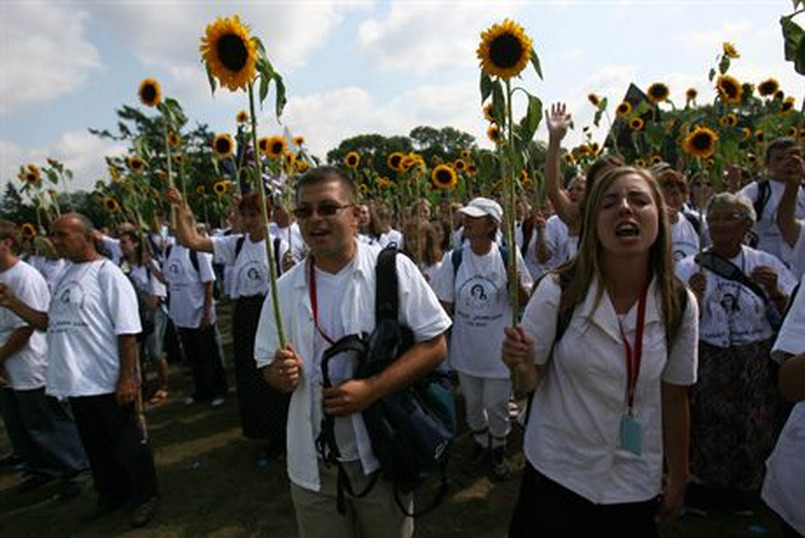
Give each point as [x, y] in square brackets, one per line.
[509, 213]
[272, 272]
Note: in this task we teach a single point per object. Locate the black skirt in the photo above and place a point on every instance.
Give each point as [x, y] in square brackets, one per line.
[263, 409]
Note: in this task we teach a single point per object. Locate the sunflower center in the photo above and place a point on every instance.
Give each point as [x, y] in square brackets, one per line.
[505, 51]
[276, 148]
[232, 52]
[701, 141]
[222, 145]
[149, 93]
[443, 176]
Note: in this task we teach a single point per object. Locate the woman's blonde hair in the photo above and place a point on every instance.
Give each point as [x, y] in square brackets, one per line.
[580, 271]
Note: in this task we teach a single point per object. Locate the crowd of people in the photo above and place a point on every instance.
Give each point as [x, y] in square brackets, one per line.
[646, 350]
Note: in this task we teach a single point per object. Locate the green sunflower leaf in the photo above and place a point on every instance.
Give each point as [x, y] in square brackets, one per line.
[52, 176]
[281, 99]
[486, 87]
[535, 63]
[711, 74]
[498, 104]
[530, 122]
[724, 64]
[264, 81]
[210, 78]
[794, 37]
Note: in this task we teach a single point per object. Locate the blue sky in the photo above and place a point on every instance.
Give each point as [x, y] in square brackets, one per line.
[351, 67]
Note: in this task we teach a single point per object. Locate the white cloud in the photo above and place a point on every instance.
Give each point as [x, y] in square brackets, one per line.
[422, 37]
[43, 52]
[709, 39]
[80, 151]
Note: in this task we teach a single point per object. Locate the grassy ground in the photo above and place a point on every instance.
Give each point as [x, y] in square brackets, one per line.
[211, 485]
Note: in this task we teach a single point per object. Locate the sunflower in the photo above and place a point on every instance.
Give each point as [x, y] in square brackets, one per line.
[135, 164]
[569, 160]
[751, 158]
[276, 147]
[593, 99]
[656, 159]
[779, 94]
[525, 179]
[465, 154]
[150, 92]
[200, 189]
[444, 177]
[289, 161]
[636, 124]
[352, 160]
[459, 165]
[384, 183]
[730, 120]
[30, 174]
[114, 173]
[489, 112]
[759, 135]
[657, 92]
[746, 132]
[730, 51]
[691, 94]
[505, 50]
[394, 160]
[229, 52]
[299, 141]
[493, 134]
[595, 148]
[768, 87]
[220, 188]
[729, 89]
[301, 166]
[639, 163]
[411, 160]
[223, 146]
[701, 142]
[242, 117]
[624, 109]
[178, 158]
[787, 105]
[174, 139]
[262, 144]
[111, 204]
[28, 230]
[792, 131]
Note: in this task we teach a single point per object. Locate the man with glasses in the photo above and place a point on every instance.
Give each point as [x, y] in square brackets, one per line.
[327, 298]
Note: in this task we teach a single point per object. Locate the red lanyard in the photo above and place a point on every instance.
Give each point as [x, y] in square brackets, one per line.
[633, 356]
[313, 303]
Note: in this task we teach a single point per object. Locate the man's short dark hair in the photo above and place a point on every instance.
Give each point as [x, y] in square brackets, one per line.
[9, 230]
[326, 174]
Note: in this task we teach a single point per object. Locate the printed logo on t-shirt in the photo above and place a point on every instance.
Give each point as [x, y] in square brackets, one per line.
[174, 270]
[252, 278]
[732, 310]
[477, 295]
[66, 306]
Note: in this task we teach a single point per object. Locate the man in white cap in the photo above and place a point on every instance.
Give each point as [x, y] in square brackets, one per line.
[472, 284]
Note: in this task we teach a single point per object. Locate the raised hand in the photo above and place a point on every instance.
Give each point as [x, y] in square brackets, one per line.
[558, 121]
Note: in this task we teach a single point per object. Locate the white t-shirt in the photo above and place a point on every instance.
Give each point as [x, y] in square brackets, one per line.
[298, 245]
[562, 245]
[535, 268]
[684, 238]
[732, 313]
[186, 285]
[784, 483]
[26, 368]
[795, 256]
[50, 269]
[573, 434]
[769, 237]
[419, 309]
[112, 246]
[93, 303]
[481, 309]
[249, 267]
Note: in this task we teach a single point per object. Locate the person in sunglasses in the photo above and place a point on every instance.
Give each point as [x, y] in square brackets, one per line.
[328, 298]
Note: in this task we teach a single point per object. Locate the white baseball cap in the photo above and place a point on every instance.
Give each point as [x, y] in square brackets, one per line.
[483, 207]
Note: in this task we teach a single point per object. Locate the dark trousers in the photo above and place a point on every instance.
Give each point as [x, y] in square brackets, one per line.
[545, 508]
[21, 442]
[56, 447]
[202, 354]
[121, 459]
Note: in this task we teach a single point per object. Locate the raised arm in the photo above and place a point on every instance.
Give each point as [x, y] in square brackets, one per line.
[558, 121]
[786, 211]
[186, 232]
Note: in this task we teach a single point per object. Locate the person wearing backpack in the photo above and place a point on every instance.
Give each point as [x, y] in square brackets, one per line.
[472, 285]
[766, 194]
[328, 299]
[263, 409]
[607, 344]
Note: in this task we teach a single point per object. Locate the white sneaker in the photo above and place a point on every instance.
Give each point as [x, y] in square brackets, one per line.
[218, 401]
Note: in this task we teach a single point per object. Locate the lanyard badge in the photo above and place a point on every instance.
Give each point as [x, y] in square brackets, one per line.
[631, 431]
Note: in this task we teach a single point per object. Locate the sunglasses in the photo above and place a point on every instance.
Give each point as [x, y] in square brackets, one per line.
[325, 210]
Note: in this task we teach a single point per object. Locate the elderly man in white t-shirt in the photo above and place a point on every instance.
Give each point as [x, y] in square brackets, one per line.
[92, 326]
[53, 448]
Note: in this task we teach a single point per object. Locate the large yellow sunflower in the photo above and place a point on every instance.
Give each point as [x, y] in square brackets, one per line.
[444, 177]
[352, 160]
[31, 174]
[111, 204]
[394, 160]
[505, 50]
[729, 89]
[229, 53]
[150, 92]
[174, 139]
[494, 134]
[276, 147]
[223, 146]
[701, 142]
[768, 87]
[28, 230]
[624, 109]
[657, 92]
[220, 188]
[730, 51]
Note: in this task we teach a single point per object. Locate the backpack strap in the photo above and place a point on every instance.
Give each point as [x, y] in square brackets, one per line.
[695, 222]
[194, 260]
[386, 285]
[763, 195]
[277, 263]
[239, 245]
[528, 232]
